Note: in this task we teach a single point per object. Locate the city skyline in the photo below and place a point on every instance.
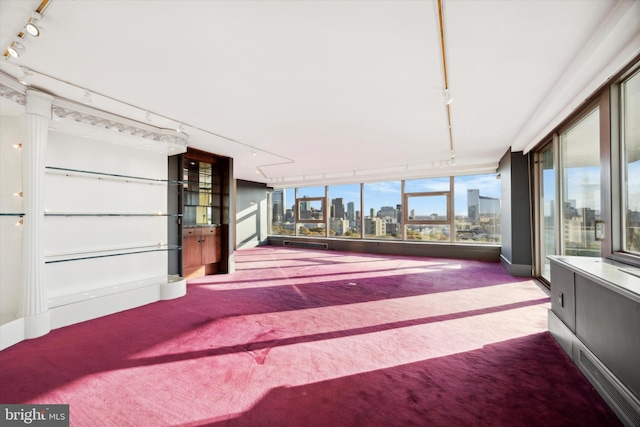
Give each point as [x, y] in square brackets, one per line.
[387, 193]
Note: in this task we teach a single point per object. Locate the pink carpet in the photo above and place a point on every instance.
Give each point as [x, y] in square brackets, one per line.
[317, 338]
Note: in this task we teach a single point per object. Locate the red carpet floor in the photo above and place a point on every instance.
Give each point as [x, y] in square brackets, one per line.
[317, 338]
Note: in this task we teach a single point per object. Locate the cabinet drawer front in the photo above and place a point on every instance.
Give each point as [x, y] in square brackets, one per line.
[208, 231]
[192, 232]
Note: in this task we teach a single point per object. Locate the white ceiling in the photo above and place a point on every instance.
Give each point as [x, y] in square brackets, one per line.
[331, 91]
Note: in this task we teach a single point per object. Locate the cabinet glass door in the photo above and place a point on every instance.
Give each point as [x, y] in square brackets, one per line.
[201, 193]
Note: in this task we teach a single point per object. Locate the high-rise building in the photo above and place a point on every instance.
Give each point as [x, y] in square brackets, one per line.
[351, 211]
[337, 205]
[278, 202]
[478, 205]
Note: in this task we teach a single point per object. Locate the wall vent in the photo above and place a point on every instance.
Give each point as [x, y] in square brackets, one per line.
[619, 397]
[306, 245]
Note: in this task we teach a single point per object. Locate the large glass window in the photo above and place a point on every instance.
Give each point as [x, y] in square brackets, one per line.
[311, 211]
[416, 209]
[345, 211]
[580, 167]
[547, 209]
[477, 208]
[283, 219]
[383, 210]
[630, 91]
[427, 209]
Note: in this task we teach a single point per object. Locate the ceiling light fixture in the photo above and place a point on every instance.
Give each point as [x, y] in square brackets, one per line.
[16, 49]
[31, 26]
[24, 79]
[448, 99]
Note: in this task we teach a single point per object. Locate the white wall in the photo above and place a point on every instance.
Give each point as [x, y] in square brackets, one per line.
[10, 230]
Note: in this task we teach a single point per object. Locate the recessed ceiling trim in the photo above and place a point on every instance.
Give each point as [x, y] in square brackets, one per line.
[431, 170]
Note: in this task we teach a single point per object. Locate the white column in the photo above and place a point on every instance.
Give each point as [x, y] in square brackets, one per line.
[36, 120]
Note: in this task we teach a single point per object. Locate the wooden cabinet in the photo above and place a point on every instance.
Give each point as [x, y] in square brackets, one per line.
[211, 245]
[192, 248]
[202, 214]
[202, 251]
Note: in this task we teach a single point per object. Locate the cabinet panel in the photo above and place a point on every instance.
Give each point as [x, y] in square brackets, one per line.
[211, 246]
[192, 232]
[609, 324]
[192, 251]
[563, 298]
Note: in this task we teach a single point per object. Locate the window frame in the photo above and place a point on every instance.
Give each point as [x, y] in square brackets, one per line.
[301, 200]
[616, 226]
[405, 205]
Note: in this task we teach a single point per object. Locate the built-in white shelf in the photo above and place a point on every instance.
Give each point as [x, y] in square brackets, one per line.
[73, 214]
[80, 297]
[84, 255]
[112, 176]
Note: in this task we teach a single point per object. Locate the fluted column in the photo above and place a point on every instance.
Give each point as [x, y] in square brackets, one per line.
[36, 120]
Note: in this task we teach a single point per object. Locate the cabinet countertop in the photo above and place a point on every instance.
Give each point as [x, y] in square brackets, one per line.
[618, 277]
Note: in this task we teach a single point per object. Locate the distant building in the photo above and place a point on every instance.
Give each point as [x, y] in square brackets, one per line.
[339, 226]
[337, 208]
[351, 211]
[388, 212]
[278, 202]
[478, 205]
[374, 227]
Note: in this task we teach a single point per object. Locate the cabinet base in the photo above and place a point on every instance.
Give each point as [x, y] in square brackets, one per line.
[200, 271]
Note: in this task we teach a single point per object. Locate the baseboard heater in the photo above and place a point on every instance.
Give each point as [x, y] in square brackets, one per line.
[625, 403]
[618, 396]
[306, 245]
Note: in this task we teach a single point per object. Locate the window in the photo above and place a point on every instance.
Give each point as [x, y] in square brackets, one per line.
[382, 210]
[282, 213]
[311, 211]
[580, 175]
[344, 217]
[427, 206]
[546, 175]
[630, 133]
[477, 209]
[411, 210]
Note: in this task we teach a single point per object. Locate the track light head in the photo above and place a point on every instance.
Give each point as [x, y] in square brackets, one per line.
[24, 79]
[31, 27]
[16, 49]
[448, 99]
